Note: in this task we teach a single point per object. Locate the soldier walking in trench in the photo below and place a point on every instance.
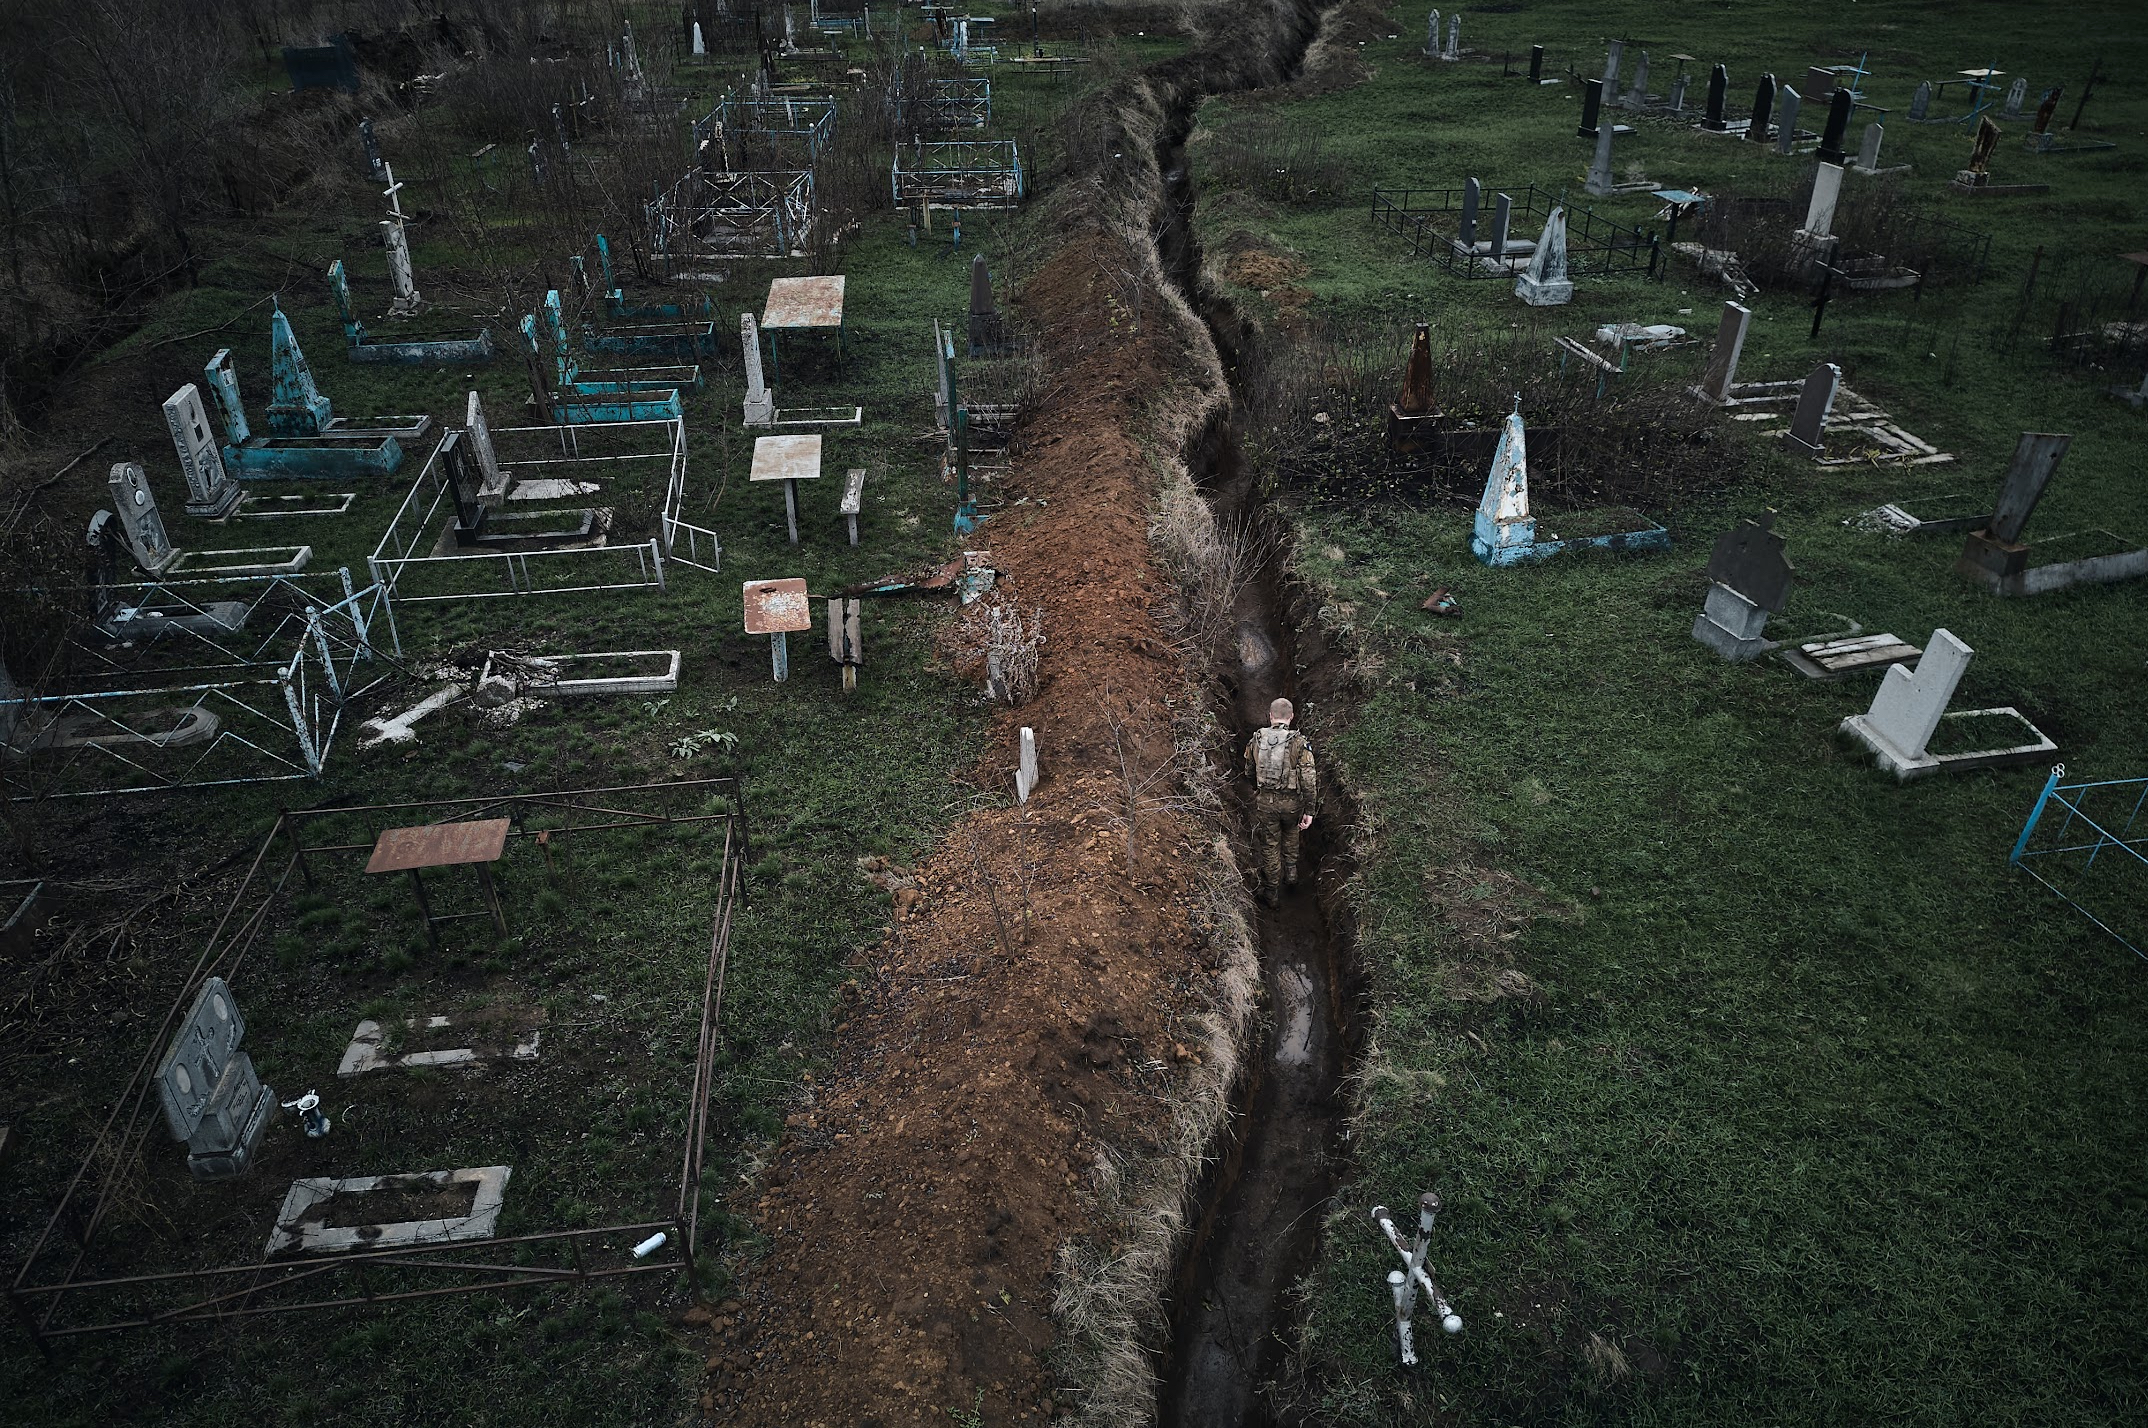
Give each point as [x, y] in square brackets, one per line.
[1286, 795]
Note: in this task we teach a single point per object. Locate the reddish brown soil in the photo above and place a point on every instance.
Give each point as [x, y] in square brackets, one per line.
[1024, 1011]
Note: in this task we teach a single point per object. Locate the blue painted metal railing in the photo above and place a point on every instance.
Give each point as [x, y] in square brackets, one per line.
[2077, 840]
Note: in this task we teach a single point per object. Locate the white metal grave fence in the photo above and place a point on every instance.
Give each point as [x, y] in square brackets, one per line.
[616, 465]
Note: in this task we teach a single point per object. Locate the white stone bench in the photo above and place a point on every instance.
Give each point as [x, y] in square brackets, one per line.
[853, 499]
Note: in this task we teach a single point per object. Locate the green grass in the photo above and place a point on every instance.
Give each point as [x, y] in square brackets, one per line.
[829, 779]
[1814, 1113]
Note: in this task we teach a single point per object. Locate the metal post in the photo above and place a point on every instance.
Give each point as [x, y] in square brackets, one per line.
[1819, 304]
[425, 910]
[2028, 829]
[781, 655]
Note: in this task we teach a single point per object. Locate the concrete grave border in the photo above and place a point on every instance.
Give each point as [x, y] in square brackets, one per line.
[293, 1237]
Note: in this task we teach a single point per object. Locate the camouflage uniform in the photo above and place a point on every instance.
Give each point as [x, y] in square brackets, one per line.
[1286, 789]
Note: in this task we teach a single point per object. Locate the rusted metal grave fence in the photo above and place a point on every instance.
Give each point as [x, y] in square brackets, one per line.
[66, 1288]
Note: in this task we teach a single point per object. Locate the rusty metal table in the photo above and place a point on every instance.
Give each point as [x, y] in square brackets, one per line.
[445, 845]
[789, 459]
[802, 305]
[776, 608]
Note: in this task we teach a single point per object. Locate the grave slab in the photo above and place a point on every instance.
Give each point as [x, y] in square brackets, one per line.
[299, 1228]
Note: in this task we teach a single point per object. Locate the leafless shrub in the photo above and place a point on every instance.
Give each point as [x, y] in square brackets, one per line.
[995, 634]
[1316, 402]
[1278, 158]
[1140, 789]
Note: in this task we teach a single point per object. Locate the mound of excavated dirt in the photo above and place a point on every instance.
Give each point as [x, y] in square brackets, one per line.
[1024, 1017]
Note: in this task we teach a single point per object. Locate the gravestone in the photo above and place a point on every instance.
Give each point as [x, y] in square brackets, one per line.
[1808, 424]
[538, 165]
[1472, 199]
[2045, 110]
[464, 481]
[2036, 459]
[1920, 103]
[393, 239]
[1432, 35]
[1748, 578]
[1819, 81]
[2017, 94]
[1868, 149]
[296, 406]
[1614, 54]
[211, 1096]
[1980, 150]
[1412, 418]
[944, 394]
[1997, 552]
[1025, 769]
[760, 401]
[1454, 37]
[1722, 372]
[1503, 531]
[492, 482]
[1637, 96]
[139, 519]
[375, 168]
[1787, 104]
[210, 491]
[1417, 397]
[1592, 99]
[1820, 211]
[1502, 218]
[1910, 702]
[700, 46]
[1718, 86]
[1544, 283]
[230, 405]
[1536, 64]
[1600, 182]
[1763, 109]
[1838, 125]
[1678, 91]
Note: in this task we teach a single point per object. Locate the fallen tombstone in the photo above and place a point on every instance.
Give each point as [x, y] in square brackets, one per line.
[1910, 708]
[398, 729]
[368, 1046]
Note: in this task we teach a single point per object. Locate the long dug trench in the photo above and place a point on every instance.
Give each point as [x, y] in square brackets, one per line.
[1257, 1214]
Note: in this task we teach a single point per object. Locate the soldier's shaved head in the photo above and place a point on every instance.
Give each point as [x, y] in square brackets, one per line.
[1281, 712]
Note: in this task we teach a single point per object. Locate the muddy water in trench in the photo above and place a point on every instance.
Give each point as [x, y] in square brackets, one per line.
[1260, 1211]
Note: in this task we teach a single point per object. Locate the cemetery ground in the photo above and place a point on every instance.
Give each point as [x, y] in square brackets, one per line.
[1757, 1088]
[882, 935]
